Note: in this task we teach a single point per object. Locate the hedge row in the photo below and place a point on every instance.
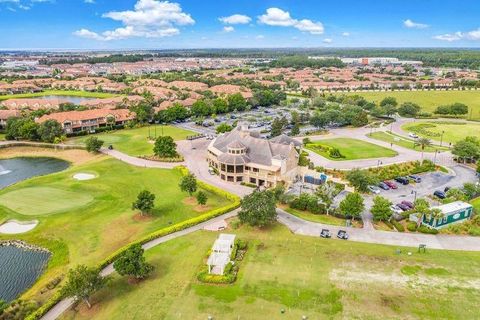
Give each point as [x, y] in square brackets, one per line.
[56, 298]
[41, 145]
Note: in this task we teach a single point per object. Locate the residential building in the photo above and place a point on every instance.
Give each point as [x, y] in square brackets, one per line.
[7, 114]
[89, 120]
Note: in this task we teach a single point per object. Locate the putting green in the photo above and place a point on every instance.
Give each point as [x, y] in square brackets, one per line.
[43, 200]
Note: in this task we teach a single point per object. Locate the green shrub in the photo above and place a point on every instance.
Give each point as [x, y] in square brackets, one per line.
[389, 224]
[398, 226]
[425, 229]
[412, 226]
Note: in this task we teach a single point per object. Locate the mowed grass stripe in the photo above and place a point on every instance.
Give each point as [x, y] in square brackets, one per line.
[135, 142]
[43, 200]
[351, 149]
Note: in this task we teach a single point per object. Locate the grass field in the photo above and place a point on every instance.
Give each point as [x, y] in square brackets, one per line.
[318, 278]
[351, 149]
[454, 131]
[94, 218]
[430, 100]
[135, 142]
[401, 141]
[73, 93]
[320, 218]
[2, 136]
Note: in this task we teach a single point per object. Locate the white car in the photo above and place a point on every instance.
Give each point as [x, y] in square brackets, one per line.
[374, 189]
[396, 209]
[413, 135]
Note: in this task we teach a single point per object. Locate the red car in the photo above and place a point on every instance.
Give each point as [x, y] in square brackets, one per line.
[391, 184]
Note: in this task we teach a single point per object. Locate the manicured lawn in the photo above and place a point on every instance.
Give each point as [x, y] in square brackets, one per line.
[135, 142]
[320, 218]
[73, 93]
[94, 218]
[44, 200]
[351, 149]
[2, 136]
[430, 100]
[401, 141]
[454, 131]
[318, 278]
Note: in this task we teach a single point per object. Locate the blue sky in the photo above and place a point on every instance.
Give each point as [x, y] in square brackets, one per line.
[119, 24]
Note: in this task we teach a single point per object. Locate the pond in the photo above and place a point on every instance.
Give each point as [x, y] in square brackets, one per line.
[71, 99]
[18, 169]
[20, 268]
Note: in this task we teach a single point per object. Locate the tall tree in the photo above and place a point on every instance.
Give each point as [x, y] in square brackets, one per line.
[381, 210]
[188, 183]
[352, 205]
[49, 130]
[93, 144]
[145, 202]
[202, 198]
[423, 143]
[165, 147]
[258, 209]
[132, 263]
[82, 282]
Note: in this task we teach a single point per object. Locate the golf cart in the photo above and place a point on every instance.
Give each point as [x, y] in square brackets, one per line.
[325, 233]
[342, 234]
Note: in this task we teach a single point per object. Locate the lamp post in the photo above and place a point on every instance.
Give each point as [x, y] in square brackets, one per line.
[441, 137]
[415, 197]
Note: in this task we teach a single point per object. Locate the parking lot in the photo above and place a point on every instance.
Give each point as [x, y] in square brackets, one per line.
[431, 182]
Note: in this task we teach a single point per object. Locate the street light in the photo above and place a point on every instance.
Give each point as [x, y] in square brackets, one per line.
[441, 137]
[414, 192]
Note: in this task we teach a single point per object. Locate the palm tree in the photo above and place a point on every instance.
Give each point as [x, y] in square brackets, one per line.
[435, 214]
[423, 143]
[423, 208]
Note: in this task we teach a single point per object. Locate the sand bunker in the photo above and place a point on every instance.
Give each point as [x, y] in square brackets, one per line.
[84, 176]
[15, 227]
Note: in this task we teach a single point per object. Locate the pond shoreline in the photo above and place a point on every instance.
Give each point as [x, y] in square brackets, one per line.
[20, 244]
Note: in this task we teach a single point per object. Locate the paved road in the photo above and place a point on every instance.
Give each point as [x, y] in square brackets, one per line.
[134, 161]
[446, 242]
[65, 304]
[404, 154]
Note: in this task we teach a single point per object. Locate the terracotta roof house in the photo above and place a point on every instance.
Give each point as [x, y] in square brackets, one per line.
[88, 120]
[190, 85]
[6, 88]
[33, 103]
[228, 89]
[242, 156]
[112, 103]
[7, 114]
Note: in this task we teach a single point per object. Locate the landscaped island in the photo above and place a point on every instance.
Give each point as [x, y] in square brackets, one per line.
[348, 149]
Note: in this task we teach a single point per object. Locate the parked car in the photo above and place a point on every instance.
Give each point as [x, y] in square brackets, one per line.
[383, 186]
[391, 184]
[415, 178]
[342, 234]
[325, 233]
[413, 135]
[403, 207]
[408, 204]
[402, 180]
[396, 209]
[374, 189]
[440, 194]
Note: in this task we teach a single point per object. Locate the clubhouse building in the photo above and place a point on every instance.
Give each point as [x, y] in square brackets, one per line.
[243, 156]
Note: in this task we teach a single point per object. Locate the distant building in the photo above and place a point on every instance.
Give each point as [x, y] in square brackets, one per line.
[454, 212]
[89, 120]
[242, 156]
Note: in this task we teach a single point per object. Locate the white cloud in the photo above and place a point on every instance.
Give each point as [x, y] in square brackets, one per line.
[327, 40]
[228, 29]
[473, 35]
[449, 36]
[236, 19]
[149, 19]
[89, 1]
[260, 36]
[278, 17]
[414, 25]
[346, 34]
